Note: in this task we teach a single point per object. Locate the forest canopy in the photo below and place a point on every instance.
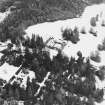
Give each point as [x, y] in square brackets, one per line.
[69, 80]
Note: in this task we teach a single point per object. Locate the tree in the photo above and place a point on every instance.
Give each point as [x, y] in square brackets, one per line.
[29, 89]
[95, 57]
[69, 79]
[71, 35]
[73, 78]
[101, 47]
[93, 21]
[10, 91]
[17, 94]
[93, 32]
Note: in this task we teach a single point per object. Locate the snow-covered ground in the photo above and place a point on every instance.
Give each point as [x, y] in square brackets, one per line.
[88, 42]
[8, 71]
[4, 14]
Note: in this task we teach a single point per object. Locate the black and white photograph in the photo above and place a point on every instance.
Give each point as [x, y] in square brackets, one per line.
[52, 52]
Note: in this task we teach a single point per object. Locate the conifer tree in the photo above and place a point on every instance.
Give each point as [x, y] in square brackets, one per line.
[10, 91]
[17, 94]
[69, 79]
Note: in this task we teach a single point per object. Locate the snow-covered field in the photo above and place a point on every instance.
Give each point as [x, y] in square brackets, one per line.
[88, 42]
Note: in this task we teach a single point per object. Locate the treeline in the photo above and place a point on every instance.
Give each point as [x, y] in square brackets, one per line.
[69, 79]
[28, 12]
[18, 93]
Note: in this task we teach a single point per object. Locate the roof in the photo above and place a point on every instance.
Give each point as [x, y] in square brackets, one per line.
[7, 71]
